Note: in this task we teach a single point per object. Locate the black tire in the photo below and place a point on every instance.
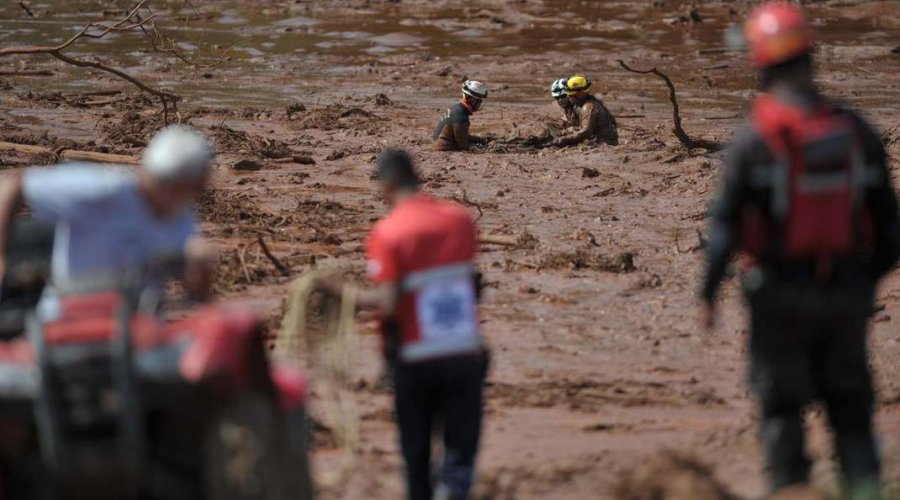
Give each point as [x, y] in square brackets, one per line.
[249, 452]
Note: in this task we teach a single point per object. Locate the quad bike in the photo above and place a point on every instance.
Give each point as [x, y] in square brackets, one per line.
[105, 398]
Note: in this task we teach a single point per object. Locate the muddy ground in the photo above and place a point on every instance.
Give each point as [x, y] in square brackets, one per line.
[599, 365]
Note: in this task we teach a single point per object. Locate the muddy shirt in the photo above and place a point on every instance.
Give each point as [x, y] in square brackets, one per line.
[591, 120]
[427, 247]
[748, 152]
[103, 225]
[452, 132]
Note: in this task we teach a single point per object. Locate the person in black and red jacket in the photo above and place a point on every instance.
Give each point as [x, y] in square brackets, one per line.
[807, 198]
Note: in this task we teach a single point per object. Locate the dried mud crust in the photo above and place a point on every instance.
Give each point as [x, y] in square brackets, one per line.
[590, 395]
[337, 117]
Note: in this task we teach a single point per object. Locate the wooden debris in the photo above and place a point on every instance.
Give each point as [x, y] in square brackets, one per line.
[283, 269]
[70, 154]
[499, 239]
[28, 72]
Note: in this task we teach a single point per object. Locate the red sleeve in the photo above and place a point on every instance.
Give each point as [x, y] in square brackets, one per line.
[381, 263]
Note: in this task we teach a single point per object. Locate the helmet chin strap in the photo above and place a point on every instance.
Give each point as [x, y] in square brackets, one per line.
[469, 106]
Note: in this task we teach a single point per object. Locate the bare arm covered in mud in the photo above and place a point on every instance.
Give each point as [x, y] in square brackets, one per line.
[380, 298]
[586, 129]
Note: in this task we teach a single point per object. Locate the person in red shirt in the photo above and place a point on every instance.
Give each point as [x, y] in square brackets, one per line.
[421, 261]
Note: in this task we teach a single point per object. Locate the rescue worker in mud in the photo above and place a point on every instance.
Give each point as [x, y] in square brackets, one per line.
[569, 113]
[590, 119]
[110, 220]
[421, 262]
[452, 132]
[807, 197]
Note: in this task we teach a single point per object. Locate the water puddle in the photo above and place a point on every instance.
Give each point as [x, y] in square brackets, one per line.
[325, 40]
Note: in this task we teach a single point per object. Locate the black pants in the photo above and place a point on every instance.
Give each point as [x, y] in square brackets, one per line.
[809, 344]
[452, 389]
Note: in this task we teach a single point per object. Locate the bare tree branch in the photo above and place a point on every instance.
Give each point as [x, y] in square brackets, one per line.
[682, 136]
[130, 21]
[27, 9]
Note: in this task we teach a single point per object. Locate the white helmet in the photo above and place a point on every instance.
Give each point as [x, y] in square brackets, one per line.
[558, 89]
[178, 153]
[474, 88]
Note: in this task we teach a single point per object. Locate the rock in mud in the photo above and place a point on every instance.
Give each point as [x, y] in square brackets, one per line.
[589, 173]
[672, 476]
[383, 100]
[445, 71]
[246, 165]
[293, 109]
[304, 160]
[335, 155]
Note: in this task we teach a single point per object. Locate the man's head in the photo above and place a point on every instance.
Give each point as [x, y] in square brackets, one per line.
[577, 88]
[397, 175]
[474, 94]
[780, 41]
[558, 91]
[175, 169]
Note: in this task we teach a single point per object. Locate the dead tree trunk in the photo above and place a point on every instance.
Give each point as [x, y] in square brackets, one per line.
[686, 140]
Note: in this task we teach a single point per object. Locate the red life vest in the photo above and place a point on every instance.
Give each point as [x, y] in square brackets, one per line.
[816, 185]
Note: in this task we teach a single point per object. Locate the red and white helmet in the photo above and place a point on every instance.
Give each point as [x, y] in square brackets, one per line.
[777, 32]
[474, 88]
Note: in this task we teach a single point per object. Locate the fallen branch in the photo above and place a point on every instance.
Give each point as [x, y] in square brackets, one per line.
[499, 239]
[27, 9]
[682, 136]
[70, 154]
[100, 102]
[166, 45]
[28, 72]
[466, 201]
[283, 269]
[99, 30]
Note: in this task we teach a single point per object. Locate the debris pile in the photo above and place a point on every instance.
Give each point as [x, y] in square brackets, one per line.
[621, 262]
[229, 140]
[671, 476]
[134, 130]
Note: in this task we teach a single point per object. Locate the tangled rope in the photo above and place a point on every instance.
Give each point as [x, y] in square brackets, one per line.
[325, 329]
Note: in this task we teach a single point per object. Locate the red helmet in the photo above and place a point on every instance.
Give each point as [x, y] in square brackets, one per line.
[777, 32]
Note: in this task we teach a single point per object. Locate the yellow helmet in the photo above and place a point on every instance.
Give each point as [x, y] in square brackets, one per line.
[576, 84]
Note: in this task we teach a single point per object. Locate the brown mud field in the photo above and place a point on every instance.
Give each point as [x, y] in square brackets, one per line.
[600, 371]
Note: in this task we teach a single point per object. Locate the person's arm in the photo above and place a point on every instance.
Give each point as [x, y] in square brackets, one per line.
[10, 203]
[199, 269]
[380, 298]
[383, 296]
[881, 200]
[725, 216]
[585, 131]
